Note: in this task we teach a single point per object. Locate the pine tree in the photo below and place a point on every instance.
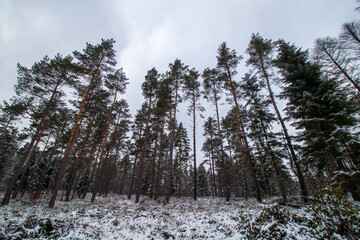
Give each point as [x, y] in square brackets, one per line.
[227, 62]
[149, 92]
[320, 109]
[260, 122]
[192, 93]
[175, 76]
[213, 84]
[94, 63]
[260, 58]
[42, 82]
[182, 156]
[336, 60]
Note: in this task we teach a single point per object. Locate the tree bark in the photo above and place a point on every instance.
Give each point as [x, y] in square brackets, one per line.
[98, 174]
[339, 67]
[172, 138]
[134, 165]
[225, 174]
[194, 142]
[142, 158]
[77, 162]
[24, 158]
[71, 141]
[299, 173]
[243, 143]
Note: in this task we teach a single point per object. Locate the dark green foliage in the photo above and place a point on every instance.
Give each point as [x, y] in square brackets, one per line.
[318, 106]
[334, 214]
[331, 216]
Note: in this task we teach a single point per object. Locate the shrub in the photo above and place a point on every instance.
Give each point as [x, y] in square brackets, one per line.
[333, 214]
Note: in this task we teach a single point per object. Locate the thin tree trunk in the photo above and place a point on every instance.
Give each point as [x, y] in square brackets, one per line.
[142, 158]
[194, 143]
[71, 141]
[134, 165]
[225, 173]
[25, 157]
[299, 174]
[244, 143]
[172, 138]
[29, 161]
[77, 162]
[7, 125]
[339, 67]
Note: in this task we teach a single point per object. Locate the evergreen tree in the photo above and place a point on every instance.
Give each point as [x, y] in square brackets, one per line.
[175, 76]
[260, 58]
[260, 122]
[336, 60]
[149, 92]
[94, 63]
[320, 109]
[227, 62]
[192, 93]
[182, 156]
[212, 85]
[43, 83]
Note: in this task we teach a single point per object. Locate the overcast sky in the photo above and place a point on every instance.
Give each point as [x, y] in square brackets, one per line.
[153, 33]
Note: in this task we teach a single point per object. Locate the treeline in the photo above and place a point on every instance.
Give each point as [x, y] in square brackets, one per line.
[88, 143]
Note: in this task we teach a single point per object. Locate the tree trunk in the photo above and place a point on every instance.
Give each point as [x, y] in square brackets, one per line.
[225, 173]
[172, 137]
[194, 143]
[25, 157]
[98, 175]
[142, 158]
[77, 162]
[299, 173]
[134, 165]
[71, 141]
[339, 67]
[7, 125]
[158, 177]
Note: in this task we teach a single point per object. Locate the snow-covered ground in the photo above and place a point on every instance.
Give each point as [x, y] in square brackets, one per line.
[116, 217]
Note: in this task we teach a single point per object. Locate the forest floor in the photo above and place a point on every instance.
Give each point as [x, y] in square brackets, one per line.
[116, 217]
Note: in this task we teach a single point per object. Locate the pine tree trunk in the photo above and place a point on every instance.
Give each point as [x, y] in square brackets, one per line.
[339, 67]
[194, 143]
[98, 175]
[172, 138]
[158, 177]
[77, 162]
[29, 161]
[25, 157]
[71, 141]
[134, 165]
[142, 158]
[7, 125]
[299, 173]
